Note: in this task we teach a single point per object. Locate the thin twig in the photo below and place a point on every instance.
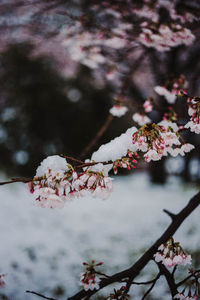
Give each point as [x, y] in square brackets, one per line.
[102, 274]
[24, 180]
[97, 137]
[184, 280]
[40, 295]
[145, 282]
[151, 287]
[71, 158]
[170, 214]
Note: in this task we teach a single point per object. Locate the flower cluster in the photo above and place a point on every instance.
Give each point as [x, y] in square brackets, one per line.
[159, 140]
[119, 294]
[194, 113]
[165, 37]
[2, 282]
[118, 110]
[172, 254]
[150, 10]
[172, 89]
[89, 280]
[95, 182]
[85, 46]
[126, 162]
[56, 182]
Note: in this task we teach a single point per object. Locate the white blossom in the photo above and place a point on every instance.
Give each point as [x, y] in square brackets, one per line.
[169, 96]
[141, 119]
[118, 110]
[152, 155]
[194, 127]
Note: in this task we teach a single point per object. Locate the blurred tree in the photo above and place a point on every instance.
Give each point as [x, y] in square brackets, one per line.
[42, 113]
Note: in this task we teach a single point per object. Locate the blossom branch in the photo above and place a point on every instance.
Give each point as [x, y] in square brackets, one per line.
[135, 269]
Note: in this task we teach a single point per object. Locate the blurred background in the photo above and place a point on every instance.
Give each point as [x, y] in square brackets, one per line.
[50, 104]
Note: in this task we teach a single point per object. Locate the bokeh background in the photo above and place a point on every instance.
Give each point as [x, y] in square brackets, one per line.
[51, 105]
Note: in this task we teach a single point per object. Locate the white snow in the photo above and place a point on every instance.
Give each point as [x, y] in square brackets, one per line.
[116, 148]
[54, 162]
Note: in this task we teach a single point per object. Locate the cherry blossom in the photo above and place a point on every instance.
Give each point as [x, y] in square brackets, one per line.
[172, 254]
[172, 89]
[119, 294]
[194, 113]
[118, 110]
[169, 96]
[194, 127]
[126, 162]
[141, 119]
[89, 282]
[165, 37]
[152, 155]
[60, 183]
[159, 140]
[148, 105]
[89, 279]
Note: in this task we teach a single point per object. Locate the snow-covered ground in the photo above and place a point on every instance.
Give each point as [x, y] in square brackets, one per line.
[43, 249]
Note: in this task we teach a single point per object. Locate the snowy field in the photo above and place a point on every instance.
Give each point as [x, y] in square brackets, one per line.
[43, 250]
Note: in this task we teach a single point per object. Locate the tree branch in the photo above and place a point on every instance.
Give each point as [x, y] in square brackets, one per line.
[97, 137]
[170, 214]
[146, 282]
[40, 295]
[134, 270]
[25, 180]
[151, 287]
[170, 279]
[184, 280]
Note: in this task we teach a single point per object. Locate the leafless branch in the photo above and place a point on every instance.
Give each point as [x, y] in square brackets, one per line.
[40, 295]
[151, 287]
[187, 278]
[97, 137]
[135, 269]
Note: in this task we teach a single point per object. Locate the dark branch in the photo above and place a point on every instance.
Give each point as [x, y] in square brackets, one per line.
[151, 287]
[170, 214]
[187, 278]
[170, 279]
[145, 282]
[134, 270]
[25, 180]
[40, 295]
[71, 158]
[97, 137]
